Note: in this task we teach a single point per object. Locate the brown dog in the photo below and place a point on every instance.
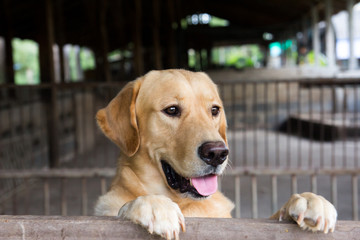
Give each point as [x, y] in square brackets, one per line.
[171, 128]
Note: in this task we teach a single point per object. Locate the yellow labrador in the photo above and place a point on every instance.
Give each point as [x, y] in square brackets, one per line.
[170, 126]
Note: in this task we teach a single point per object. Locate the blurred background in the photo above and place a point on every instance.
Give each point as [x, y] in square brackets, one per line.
[288, 72]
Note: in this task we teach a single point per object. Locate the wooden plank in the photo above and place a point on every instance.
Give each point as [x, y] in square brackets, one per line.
[57, 227]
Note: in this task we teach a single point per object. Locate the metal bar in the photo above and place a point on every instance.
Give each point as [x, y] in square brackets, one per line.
[255, 125]
[277, 155]
[334, 190]
[311, 130]
[322, 126]
[103, 185]
[274, 193]
[356, 125]
[343, 131]
[110, 172]
[254, 197]
[266, 140]
[245, 125]
[299, 128]
[314, 183]
[355, 200]
[84, 200]
[233, 119]
[46, 197]
[237, 197]
[63, 197]
[288, 125]
[333, 132]
[305, 82]
[294, 184]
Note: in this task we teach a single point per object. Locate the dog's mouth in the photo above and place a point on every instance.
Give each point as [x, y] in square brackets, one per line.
[198, 187]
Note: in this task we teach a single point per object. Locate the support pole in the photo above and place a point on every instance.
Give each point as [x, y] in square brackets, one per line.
[316, 35]
[352, 58]
[7, 23]
[104, 41]
[156, 35]
[330, 40]
[138, 48]
[47, 72]
[171, 34]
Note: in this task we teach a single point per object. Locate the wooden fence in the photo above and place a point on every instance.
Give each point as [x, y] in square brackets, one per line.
[55, 227]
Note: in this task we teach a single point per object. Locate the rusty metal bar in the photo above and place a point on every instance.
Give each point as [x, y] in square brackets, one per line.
[237, 197]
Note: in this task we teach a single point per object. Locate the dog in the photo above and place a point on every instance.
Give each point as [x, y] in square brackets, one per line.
[170, 126]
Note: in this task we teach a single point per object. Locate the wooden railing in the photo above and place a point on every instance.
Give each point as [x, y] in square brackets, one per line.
[56, 227]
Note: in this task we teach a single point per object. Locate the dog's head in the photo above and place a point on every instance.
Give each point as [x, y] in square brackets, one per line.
[176, 119]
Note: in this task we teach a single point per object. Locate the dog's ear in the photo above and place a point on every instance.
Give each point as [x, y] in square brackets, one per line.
[118, 119]
[223, 126]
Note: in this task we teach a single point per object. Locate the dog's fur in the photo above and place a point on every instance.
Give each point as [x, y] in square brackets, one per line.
[137, 121]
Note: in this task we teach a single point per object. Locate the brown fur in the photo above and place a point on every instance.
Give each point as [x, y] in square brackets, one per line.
[135, 121]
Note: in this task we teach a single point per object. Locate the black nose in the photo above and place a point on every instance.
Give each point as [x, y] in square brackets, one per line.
[213, 153]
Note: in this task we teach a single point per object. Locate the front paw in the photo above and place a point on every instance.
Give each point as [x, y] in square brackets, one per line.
[158, 214]
[311, 212]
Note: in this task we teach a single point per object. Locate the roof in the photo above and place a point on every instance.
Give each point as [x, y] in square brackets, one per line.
[80, 21]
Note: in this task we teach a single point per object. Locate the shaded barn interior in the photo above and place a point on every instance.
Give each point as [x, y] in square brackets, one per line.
[53, 155]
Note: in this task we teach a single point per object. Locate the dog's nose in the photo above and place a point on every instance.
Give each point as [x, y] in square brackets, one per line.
[213, 153]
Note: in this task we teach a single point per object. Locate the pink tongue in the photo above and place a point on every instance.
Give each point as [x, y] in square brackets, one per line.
[206, 185]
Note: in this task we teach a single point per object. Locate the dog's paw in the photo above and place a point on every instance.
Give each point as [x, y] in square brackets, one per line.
[158, 214]
[311, 212]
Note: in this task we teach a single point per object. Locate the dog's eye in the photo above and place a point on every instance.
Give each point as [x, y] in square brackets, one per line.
[173, 111]
[215, 111]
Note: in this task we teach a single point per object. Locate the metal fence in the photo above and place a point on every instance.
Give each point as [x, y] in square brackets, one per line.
[284, 137]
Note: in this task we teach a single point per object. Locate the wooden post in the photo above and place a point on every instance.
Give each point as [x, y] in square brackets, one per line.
[138, 48]
[352, 58]
[104, 41]
[61, 37]
[330, 41]
[156, 35]
[171, 34]
[47, 73]
[7, 23]
[316, 35]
